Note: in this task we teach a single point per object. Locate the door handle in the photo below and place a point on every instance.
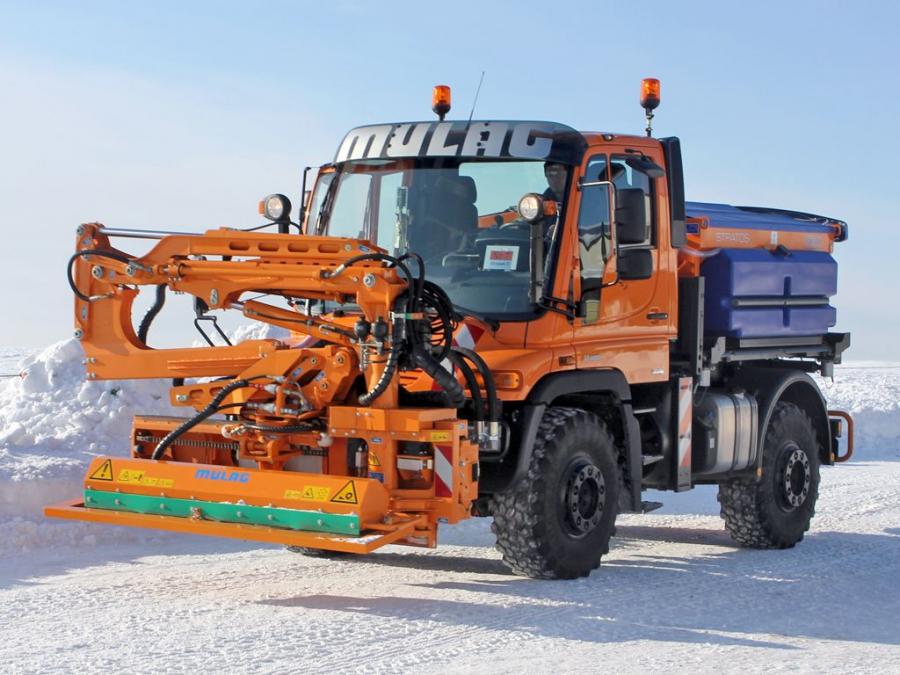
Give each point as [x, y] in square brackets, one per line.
[658, 316]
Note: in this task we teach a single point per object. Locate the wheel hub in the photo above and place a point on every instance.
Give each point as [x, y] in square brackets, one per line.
[797, 478]
[585, 498]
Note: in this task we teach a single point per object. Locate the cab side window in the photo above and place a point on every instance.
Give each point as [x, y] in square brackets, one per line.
[594, 242]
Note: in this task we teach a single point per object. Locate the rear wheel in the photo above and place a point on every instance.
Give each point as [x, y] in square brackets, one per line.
[557, 521]
[774, 509]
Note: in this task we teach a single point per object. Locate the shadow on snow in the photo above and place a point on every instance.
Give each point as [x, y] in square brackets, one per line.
[825, 589]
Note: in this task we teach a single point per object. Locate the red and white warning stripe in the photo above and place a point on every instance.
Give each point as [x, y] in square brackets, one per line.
[685, 420]
[467, 336]
[443, 470]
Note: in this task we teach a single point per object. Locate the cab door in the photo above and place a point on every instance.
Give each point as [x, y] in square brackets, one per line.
[627, 313]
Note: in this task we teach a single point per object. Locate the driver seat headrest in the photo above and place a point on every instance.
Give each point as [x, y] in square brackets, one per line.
[461, 187]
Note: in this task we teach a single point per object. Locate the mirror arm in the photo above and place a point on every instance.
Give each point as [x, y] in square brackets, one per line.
[570, 312]
[301, 217]
[615, 280]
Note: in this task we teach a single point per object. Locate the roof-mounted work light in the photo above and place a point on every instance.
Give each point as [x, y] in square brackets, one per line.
[649, 100]
[440, 100]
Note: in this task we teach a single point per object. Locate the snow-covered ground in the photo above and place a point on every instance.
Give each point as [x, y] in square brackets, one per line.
[674, 594]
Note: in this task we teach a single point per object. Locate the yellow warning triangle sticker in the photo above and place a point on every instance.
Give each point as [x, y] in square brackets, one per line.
[104, 472]
[347, 494]
[373, 459]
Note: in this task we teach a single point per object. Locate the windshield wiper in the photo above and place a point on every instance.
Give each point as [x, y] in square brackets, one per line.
[325, 211]
[493, 324]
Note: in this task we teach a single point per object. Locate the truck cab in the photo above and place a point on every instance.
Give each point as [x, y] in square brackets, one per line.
[460, 212]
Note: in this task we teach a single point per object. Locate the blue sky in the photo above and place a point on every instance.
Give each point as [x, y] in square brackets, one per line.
[182, 115]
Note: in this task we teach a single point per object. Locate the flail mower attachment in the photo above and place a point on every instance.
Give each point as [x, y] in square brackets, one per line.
[305, 441]
[353, 514]
[292, 508]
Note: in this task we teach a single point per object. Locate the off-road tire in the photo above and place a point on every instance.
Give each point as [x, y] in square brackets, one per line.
[572, 473]
[763, 511]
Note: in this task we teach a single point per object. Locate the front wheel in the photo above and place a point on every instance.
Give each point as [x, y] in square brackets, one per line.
[557, 521]
[774, 509]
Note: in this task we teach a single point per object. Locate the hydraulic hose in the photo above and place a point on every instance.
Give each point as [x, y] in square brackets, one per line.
[490, 386]
[420, 280]
[471, 383]
[443, 325]
[495, 434]
[90, 251]
[433, 368]
[390, 369]
[155, 308]
[211, 409]
[423, 399]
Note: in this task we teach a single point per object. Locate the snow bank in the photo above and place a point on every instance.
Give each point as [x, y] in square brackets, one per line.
[53, 421]
[258, 331]
[870, 391]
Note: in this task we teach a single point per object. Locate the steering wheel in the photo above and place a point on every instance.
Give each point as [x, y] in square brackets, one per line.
[517, 224]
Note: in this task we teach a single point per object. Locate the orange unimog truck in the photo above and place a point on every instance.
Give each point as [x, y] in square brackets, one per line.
[506, 319]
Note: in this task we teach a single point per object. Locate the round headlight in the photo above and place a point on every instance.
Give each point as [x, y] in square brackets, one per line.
[531, 207]
[276, 207]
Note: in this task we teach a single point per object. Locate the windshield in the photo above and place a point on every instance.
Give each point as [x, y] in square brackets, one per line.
[458, 215]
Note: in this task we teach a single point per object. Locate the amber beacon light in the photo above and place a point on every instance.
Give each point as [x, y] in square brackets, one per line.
[440, 100]
[649, 100]
[649, 93]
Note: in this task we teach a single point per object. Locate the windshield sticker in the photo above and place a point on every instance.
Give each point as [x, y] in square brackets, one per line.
[524, 140]
[501, 258]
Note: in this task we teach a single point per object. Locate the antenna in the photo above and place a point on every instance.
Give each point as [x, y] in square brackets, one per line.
[477, 91]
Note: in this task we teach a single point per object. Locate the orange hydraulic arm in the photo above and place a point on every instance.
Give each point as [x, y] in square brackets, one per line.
[335, 402]
[218, 267]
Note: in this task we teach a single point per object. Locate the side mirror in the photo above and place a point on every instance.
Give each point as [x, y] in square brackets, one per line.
[631, 216]
[635, 263]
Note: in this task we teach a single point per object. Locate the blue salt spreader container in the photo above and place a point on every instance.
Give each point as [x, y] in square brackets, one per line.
[758, 292]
